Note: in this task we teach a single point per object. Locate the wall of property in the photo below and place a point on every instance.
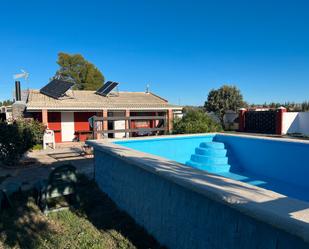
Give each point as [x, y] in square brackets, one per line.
[179, 217]
[296, 122]
[304, 122]
[290, 122]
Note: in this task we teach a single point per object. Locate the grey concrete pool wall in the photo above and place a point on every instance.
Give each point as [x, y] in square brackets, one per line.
[186, 208]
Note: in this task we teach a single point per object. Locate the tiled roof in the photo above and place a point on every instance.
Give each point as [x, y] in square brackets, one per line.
[89, 100]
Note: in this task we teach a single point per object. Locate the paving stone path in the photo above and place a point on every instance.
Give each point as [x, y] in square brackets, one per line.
[38, 164]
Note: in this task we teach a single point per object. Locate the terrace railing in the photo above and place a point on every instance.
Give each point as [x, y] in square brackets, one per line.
[100, 125]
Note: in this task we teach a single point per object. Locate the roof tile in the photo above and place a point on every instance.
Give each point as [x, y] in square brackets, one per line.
[81, 100]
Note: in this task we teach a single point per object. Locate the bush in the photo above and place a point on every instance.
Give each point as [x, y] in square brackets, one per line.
[37, 147]
[195, 121]
[17, 138]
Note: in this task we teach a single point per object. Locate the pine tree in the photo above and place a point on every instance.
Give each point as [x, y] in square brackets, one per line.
[75, 68]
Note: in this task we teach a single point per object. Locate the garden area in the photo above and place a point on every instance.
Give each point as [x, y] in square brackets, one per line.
[17, 138]
[97, 223]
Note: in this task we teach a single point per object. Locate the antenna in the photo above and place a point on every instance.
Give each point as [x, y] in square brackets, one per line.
[22, 75]
[147, 88]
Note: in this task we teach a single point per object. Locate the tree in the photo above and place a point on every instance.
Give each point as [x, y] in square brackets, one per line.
[195, 121]
[223, 99]
[74, 68]
[305, 106]
[6, 102]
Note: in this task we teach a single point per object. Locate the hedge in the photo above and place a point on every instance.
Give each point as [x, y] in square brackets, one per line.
[17, 138]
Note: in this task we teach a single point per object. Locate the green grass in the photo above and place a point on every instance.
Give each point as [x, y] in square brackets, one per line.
[98, 223]
[37, 147]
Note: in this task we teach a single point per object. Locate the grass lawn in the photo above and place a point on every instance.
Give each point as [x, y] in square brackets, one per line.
[96, 224]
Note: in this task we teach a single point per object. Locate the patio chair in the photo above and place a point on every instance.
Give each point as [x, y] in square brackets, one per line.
[61, 182]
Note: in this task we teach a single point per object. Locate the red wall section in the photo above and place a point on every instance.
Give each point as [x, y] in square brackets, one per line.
[81, 123]
[142, 123]
[54, 123]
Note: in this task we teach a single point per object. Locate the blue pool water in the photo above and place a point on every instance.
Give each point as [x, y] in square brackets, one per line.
[271, 164]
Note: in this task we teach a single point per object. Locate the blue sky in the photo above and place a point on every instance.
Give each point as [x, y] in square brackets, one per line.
[181, 48]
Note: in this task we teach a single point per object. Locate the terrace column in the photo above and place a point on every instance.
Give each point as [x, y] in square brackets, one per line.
[98, 127]
[127, 122]
[279, 122]
[105, 123]
[242, 112]
[45, 117]
[170, 118]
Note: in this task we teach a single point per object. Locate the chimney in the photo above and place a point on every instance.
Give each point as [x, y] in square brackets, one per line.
[17, 91]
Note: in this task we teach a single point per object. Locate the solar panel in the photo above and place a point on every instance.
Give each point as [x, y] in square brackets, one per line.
[107, 84]
[56, 88]
[107, 88]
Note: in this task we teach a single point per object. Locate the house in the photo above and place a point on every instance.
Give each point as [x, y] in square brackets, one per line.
[68, 116]
[5, 113]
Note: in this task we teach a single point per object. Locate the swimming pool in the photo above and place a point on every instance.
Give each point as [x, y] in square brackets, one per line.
[278, 165]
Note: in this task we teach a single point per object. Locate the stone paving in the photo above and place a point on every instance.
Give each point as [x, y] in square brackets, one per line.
[37, 165]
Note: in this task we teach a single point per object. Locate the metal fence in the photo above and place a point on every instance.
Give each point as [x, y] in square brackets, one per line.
[261, 121]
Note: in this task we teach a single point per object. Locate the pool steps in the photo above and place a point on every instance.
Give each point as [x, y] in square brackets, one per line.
[210, 156]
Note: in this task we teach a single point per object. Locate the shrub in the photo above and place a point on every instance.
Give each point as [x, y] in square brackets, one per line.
[195, 121]
[17, 138]
[37, 147]
[33, 128]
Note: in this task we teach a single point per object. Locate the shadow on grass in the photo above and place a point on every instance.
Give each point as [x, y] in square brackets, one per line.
[25, 226]
[3, 178]
[103, 213]
[21, 226]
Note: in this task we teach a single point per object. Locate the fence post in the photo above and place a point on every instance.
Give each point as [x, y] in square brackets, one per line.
[279, 122]
[242, 121]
